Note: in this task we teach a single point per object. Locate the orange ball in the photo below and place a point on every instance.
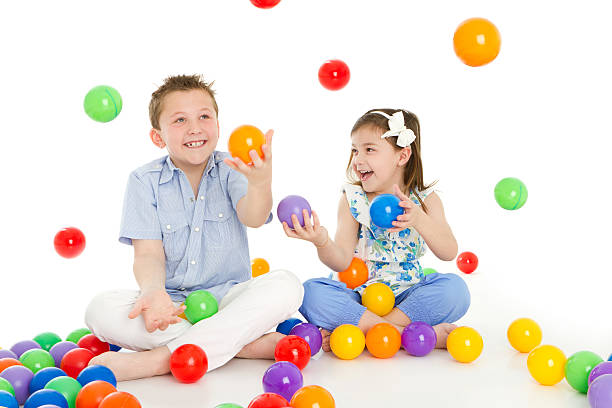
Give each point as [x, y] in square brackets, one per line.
[120, 399]
[259, 266]
[244, 139]
[383, 340]
[8, 362]
[92, 394]
[477, 42]
[312, 396]
[355, 275]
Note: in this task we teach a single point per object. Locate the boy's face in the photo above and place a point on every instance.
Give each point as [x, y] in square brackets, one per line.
[189, 128]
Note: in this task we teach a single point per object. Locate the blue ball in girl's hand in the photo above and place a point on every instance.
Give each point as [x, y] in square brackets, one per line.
[384, 210]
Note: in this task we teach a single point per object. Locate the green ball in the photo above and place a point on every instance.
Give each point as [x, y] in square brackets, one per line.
[200, 305]
[228, 405]
[67, 386]
[37, 359]
[510, 193]
[103, 103]
[6, 386]
[429, 271]
[47, 340]
[578, 368]
[76, 335]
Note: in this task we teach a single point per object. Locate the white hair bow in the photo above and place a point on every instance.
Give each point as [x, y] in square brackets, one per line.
[398, 128]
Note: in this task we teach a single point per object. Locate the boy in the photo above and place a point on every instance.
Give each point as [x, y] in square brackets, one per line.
[185, 215]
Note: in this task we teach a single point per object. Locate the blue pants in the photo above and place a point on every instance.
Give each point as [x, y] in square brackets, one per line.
[437, 298]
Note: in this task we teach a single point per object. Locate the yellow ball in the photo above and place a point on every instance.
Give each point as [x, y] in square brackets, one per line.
[546, 364]
[464, 344]
[524, 334]
[347, 342]
[378, 298]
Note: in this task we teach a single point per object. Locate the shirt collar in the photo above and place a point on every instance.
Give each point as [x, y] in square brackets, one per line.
[169, 168]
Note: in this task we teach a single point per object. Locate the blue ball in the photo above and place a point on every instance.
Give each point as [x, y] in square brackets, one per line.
[610, 358]
[286, 326]
[46, 397]
[42, 377]
[7, 400]
[96, 372]
[384, 209]
[112, 347]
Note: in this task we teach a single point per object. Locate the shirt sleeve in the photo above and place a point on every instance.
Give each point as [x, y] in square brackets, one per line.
[237, 185]
[139, 219]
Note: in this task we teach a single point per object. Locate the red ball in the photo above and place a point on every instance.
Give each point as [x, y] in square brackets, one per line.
[265, 4]
[69, 242]
[75, 361]
[120, 399]
[188, 363]
[269, 400]
[293, 349]
[334, 75]
[467, 262]
[93, 344]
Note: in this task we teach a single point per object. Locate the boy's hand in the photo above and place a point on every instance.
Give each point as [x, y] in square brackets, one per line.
[157, 310]
[309, 232]
[259, 174]
[413, 213]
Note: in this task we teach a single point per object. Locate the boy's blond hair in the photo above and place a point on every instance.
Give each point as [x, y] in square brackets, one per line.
[178, 83]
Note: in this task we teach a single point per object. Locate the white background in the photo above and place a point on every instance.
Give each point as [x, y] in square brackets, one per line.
[539, 112]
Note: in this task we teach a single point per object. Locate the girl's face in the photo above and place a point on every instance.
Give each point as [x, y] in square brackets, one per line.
[375, 162]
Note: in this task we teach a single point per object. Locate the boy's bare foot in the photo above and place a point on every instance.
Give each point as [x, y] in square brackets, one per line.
[134, 365]
[325, 345]
[263, 347]
[442, 331]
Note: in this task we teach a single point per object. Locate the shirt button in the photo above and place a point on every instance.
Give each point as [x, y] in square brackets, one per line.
[197, 229]
[193, 262]
[182, 289]
[201, 197]
[168, 226]
[220, 215]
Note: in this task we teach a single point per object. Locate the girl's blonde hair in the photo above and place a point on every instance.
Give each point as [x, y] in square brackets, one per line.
[413, 172]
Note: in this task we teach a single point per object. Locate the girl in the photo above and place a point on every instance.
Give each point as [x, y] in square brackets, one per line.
[385, 155]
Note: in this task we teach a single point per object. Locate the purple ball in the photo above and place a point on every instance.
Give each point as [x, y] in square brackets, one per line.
[600, 369]
[419, 338]
[59, 349]
[19, 377]
[311, 334]
[8, 354]
[292, 204]
[283, 378]
[600, 392]
[23, 346]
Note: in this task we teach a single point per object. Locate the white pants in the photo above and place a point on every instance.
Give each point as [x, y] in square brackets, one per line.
[246, 312]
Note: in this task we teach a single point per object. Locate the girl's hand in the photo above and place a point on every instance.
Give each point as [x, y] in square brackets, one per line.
[259, 174]
[413, 213]
[157, 310]
[313, 233]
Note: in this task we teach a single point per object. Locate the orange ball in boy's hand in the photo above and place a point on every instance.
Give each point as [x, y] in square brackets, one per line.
[244, 139]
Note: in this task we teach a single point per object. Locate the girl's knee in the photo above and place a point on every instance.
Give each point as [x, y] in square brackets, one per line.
[457, 297]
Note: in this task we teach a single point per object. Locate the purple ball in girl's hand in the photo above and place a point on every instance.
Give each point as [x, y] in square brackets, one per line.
[290, 205]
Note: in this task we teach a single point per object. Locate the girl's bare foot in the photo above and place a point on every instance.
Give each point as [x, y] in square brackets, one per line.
[134, 365]
[442, 331]
[263, 347]
[325, 345]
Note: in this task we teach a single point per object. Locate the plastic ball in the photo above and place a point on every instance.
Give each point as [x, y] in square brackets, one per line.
[600, 369]
[76, 335]
[510, 193]
[103, 103]
[464, 344]
[120, 399]
[244, 139]
[383, 340]
[347, 342]
[283, 378]
[378, 298]
[5, 385]
[578, 368]
[22, 346]
[524, 334]
[228, 405]
[93, 393]
[286, 326]
[355, 275]
[293, 349]
[96, 373]
[600, 392]
[67, 386]
[93, 344]
[42, 377]
[188, 363]
[265, 4]
[113, 347]
[429, 271]
[311, 334]
[60, 349]
[385, 209]
[46, 397]
[7, 400]
[75, 360]
[20, 378]
[477, 42]
[36, 359]
[546, 364]
[69, 242]
[8, 354]
[467, 262]
[268, 400]
[312, 396]
[293, 204]
[201, 305]
[334, 75]
[419, 339]
[259, 266]
[47, 340]
[8, 362]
